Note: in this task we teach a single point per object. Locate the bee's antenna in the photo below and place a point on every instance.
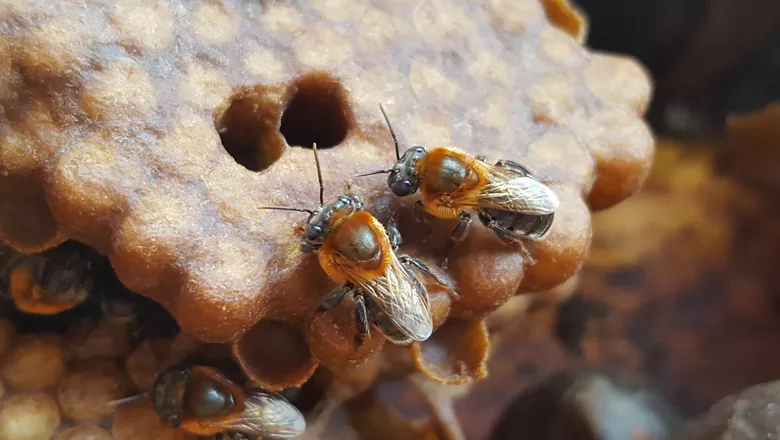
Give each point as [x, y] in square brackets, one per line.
[319, 173]
[373, 172]
[284, 208]
[121, 402]
[392, 133]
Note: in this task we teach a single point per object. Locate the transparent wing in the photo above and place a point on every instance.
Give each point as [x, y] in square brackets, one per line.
[268, 415]
[509, 191]
[403, 300]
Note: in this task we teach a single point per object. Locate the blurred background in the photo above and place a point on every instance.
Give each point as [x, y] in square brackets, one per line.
[680, 288]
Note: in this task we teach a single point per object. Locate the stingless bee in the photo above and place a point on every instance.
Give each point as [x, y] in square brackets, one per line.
[358, 252]
[202, 401]
[508, 199]
[47, 284]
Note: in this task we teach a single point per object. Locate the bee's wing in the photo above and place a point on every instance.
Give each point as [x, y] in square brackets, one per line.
[268, 414]
[403, 300]
[509, 191]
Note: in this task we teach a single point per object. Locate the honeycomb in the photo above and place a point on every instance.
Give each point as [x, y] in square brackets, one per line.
[50, 390]
[63, 385]
[153, 131]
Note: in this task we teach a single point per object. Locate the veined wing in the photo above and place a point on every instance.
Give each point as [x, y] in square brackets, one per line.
[268, 415]
[509, 191]
[403, 300]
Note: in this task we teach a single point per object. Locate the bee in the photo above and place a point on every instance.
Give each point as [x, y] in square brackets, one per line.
[358, 252]
[47, 284]
[202, 401]
[508, 199]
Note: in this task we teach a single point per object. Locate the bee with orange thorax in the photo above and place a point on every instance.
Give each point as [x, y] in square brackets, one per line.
[508, 199]
[44, 285]
[358, 252]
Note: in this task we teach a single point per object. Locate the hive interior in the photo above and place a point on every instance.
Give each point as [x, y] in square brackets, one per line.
[155, 133]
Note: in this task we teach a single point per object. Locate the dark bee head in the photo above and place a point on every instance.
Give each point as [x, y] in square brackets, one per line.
[318, 225]
[168, 395]
[198, 392]
[403, 179]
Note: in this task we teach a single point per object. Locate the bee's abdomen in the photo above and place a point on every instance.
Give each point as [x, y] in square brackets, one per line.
[531, 226]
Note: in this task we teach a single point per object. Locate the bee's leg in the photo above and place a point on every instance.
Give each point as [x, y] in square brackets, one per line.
[420, 216]
[456, 236]
[419, 265]
[361, 320]
[393, 233]
[502, 232]
[418, 286]
[334, 298]
[422, 267]
[514, 166]
[509, 238]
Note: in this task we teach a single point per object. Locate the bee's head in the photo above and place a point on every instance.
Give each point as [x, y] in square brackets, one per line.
[318, 225]
[313, 235]
[168, 392]
[403, 179]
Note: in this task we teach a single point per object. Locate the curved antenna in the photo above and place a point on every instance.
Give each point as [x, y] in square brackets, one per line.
[285, 208]
[392, 133]
[319, 173]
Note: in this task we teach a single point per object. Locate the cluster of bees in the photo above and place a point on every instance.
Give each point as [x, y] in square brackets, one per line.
[355, 250]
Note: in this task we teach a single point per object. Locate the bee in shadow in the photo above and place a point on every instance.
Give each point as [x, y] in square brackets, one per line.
[202, 401]
[48, 283]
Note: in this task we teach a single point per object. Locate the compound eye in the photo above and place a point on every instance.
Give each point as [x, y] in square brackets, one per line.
[402, 188]
[313, 232]
[418, 150]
